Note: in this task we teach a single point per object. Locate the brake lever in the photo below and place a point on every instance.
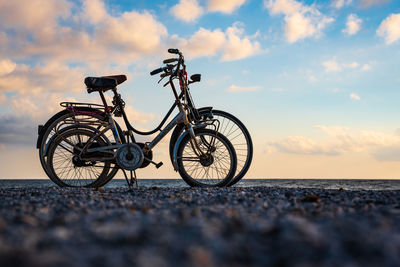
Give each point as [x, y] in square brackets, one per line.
[170, 66]
[163, 75]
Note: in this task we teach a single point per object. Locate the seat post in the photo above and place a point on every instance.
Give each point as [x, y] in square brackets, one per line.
[103, 99]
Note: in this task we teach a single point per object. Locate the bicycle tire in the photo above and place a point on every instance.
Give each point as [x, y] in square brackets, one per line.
[73, 172]
[206, 171]
[49, 130]
[244, 157]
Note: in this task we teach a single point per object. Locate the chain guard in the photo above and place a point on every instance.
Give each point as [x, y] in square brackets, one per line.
[148, 155]
[129, 161]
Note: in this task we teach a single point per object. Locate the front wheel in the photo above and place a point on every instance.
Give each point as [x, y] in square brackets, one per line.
[214, 167]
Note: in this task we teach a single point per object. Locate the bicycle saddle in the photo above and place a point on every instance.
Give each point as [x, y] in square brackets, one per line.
[103, 83]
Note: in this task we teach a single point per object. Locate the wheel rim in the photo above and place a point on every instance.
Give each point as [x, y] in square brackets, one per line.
[211, 169]
[236, 135]
[68, 120]
[63, 165]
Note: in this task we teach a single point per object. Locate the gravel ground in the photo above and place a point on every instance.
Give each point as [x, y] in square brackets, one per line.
[155, 226]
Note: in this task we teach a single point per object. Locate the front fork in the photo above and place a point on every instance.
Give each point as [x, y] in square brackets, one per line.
[193, 142]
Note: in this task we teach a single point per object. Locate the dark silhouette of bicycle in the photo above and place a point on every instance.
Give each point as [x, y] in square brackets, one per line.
[84, 146]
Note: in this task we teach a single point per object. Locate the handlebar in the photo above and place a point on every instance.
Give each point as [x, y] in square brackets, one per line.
[156, 71]
[170, 60]
[168, 69]
[173, 51]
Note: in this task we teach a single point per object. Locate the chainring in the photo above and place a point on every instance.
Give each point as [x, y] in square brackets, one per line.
[148, 155]
[129, 156]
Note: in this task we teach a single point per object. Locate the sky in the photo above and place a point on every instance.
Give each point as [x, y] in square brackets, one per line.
[315, 82]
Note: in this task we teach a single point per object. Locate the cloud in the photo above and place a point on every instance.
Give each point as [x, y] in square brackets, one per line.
[46, 54]
[137, 116]
[387, 153]
[35, 94]
[51, 77]
[301, 145]
[6, 66]
[338, 140]
[233, 43]
[366, 67]
[3, 38]
[235, 88]
[95, 10]
[187, 10]
[237, 48]
[334, 66]
[225, 6]
[191, 10]
[353, 24]
[43, 22]
[352, 65]
[194, 46]
[390, 28]
[312, 78]
[354, 96]
[140, 32]
[17, 130]
[301, 21]
[331, 66]
[368, 3]
[338, 4]
[91, 36]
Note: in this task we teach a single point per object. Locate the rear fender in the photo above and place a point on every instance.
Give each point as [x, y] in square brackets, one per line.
[43, 128]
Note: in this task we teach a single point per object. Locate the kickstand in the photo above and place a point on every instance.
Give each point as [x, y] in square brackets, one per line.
[126, 179]
[134, 178]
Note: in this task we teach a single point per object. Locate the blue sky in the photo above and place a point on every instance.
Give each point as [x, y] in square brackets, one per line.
[316, 82]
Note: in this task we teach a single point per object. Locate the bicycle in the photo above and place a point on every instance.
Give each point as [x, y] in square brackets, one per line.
[201, 155]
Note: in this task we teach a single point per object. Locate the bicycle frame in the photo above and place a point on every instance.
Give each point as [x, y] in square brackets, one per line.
[186, 110]
[177, 119]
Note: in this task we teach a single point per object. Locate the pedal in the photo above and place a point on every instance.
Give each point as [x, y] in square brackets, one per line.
[158, 165]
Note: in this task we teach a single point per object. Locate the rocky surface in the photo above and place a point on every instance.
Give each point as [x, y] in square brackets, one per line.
[256, 226]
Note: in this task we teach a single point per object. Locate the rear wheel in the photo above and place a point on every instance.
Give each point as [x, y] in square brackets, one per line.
[214, 167]
[67, 166]
[75, 119]
[233, 129]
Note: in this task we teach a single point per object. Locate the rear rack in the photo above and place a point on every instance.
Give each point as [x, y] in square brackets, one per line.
[79, 105]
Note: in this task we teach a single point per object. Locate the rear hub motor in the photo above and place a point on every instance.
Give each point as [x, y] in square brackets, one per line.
[129, 156]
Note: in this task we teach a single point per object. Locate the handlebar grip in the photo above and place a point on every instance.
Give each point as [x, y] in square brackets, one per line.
[170, 60]
[173, 51]
[156, 71]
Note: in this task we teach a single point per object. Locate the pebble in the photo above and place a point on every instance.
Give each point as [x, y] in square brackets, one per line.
[253, 226]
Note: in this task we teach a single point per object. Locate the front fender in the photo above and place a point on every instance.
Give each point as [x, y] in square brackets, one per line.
[174, 161]
[178, 131]
[175, 151]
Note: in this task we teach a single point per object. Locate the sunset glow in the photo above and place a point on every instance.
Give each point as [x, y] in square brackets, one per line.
[317, 83]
